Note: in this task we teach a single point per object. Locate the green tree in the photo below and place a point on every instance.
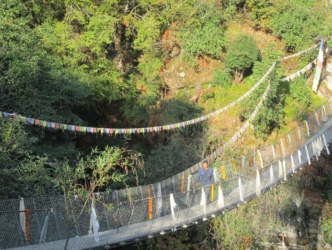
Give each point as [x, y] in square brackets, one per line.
[261, 11]
[203, 32]
[172, 152]
[22, 173]
[13, 146]
[297, 25]
[97, 173]
[241, 56]
[271, 114]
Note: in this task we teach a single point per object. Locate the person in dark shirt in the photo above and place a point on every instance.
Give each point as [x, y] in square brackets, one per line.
[206, 178]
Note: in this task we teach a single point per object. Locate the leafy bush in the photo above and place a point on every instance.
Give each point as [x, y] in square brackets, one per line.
[203, 34]
[271, 54]
[326, 225]
[241, 56]
[271, 114]
[300, 91]
[296, 25]
[326, 222]
[260, 12]
[221, 78]
[299, 98]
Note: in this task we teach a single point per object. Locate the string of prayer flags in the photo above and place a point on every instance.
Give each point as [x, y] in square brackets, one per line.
[188, 172]
[300, 72]
[300, 53]
[115, 131]
[252, 116]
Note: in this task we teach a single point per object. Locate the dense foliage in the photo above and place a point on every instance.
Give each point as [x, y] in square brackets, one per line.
[241, 56]
[104, 64]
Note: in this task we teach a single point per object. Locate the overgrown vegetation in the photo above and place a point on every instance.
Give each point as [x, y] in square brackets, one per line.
[102, 63]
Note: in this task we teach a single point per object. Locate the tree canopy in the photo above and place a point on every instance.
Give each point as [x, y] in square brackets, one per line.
[241, 56]
[117, 63]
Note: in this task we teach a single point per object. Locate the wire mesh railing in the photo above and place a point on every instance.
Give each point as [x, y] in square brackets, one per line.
[151, 209]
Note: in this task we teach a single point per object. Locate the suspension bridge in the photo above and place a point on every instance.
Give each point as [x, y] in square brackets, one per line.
[142, 212]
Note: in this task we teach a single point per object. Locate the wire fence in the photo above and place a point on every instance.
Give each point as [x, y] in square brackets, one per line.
[175, 202]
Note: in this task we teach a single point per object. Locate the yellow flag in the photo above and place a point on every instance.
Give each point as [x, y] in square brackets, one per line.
[150, 203]
[212, 192]
[234, 165]
[182, 184]
[223, 172]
